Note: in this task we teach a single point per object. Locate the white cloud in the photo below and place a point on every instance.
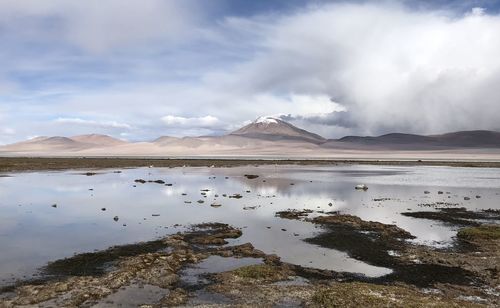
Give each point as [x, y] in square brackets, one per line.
[98, 25]
[195, 122]
[478, 11]
[93, 123]
[387, 68]
[392, 69]
[6, 135]
[7, 131]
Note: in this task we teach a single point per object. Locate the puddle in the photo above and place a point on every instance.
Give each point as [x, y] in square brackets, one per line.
[204, 297]
[133, 295]
[33, 232]
[194, 276]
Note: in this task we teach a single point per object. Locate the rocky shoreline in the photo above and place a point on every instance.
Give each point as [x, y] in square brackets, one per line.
[206, 265]
[464, 276]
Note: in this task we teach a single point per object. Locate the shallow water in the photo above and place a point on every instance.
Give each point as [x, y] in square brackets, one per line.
[33, 232]
[194, 276]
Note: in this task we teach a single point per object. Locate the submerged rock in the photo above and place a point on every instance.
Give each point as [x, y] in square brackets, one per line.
[362, 225]
[251, 176]
[459, 216]
[293, 214]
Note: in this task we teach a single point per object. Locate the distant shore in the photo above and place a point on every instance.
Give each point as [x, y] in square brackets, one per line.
[13, 164]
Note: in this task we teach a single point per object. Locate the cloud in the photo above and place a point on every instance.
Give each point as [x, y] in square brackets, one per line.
[93, 123]
[98, 25]
[7, 131]
[391, 68]
[343, 68]
[196, 122]
[6, 134]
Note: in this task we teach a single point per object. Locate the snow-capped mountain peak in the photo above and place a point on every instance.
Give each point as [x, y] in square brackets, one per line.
[266, 120]
[270, 128]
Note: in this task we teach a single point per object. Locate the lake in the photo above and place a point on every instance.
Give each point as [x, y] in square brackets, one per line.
[45, 216]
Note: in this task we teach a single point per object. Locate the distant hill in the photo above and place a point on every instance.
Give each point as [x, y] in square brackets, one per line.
[269, 128]
[474, 138]
[266, 136]
[165, 140]
[96, 139]
[462, 139]
[58, 143]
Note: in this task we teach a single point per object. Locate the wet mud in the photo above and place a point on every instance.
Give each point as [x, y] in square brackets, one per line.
[457, 216]
[471, 266]
[10, 164]
[160, 273]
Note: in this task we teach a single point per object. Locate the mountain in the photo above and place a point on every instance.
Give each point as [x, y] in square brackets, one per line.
[462, 139]
[271, 137]
[475, 138]
[44, 144]
[165, 140]
[394, 138]
[96, 139]
[273, 129]
[63, 144]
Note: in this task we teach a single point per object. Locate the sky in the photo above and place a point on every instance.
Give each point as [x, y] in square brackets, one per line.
[137, 70]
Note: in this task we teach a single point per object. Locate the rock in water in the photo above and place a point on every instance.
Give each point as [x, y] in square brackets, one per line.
[361, 187]
[251, 176]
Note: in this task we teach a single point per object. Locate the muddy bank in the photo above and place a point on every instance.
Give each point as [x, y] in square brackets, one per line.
[272, 288]
[457, 216]
[471, 267]
[11, 164]
[86, 279]
[157, 277]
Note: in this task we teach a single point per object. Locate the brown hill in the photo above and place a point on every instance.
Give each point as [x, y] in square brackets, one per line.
[96, 139]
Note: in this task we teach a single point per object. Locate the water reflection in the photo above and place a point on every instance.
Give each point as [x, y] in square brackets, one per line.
[32, 232]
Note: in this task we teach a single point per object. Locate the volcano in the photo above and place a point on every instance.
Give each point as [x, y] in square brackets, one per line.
[274, 129]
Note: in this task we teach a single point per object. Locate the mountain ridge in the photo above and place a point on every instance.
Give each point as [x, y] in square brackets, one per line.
[465, 139]
[263, 136]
